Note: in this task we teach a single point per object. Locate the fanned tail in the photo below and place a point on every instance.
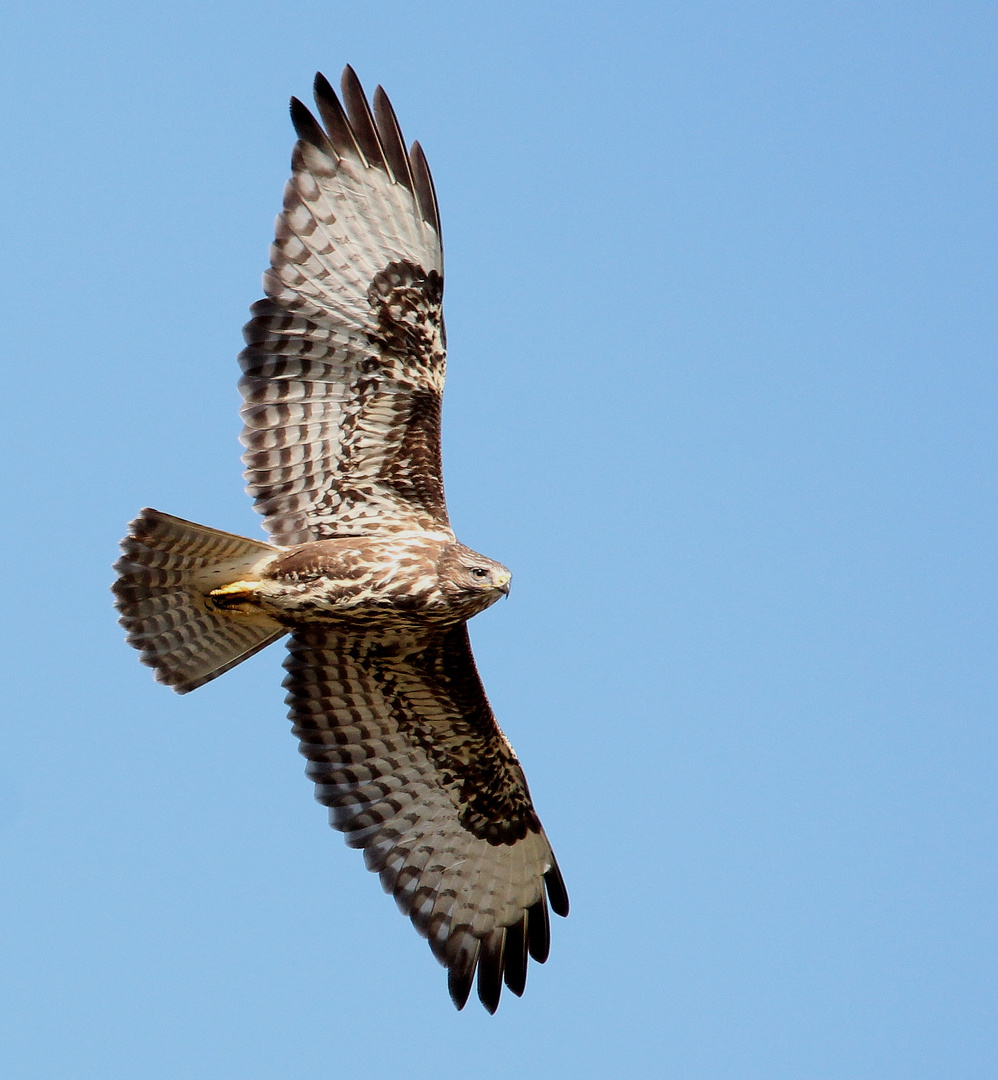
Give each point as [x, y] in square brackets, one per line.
[164, 576]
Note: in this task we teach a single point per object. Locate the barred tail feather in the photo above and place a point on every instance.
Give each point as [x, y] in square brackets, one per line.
[168, 567]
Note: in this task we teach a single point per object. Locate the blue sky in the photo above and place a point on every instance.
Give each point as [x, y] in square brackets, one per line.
[720, 304]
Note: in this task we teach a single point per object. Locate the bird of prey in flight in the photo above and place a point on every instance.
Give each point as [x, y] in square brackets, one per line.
[343, 373]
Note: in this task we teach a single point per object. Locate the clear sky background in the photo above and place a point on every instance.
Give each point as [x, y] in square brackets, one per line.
[721, 312]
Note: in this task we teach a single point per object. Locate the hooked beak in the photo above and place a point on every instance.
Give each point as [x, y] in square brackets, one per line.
[502, 583]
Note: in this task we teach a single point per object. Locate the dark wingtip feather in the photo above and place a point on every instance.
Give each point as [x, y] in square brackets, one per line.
[335, 119]
[322, 87]
[392, 140]
[515, 973]
[490, 969]
[306, 125]
[425, 192]
[361, 120]
[459, 983]
[539, 931]
[557, 893]
[349, 75]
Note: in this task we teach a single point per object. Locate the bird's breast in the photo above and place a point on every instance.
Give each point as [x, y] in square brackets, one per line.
[356, 579]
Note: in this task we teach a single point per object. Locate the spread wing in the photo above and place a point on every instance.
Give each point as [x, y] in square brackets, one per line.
[406, 753]
[344, 364]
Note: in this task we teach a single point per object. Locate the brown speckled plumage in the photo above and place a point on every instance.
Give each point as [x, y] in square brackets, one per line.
[343, 373]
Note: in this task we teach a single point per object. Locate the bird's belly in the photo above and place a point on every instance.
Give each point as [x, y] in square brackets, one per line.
[332, 601]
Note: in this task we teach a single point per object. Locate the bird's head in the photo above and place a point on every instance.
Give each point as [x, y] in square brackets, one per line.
[470, 580]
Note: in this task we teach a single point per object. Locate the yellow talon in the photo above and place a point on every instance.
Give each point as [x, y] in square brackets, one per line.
[245, 589]
[239, 598]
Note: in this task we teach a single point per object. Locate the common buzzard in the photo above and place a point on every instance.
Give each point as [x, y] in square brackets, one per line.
[343, 375]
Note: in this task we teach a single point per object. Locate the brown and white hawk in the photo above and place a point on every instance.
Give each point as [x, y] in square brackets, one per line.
[343, 375]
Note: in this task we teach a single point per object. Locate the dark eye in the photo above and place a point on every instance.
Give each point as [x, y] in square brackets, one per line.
[479, 572]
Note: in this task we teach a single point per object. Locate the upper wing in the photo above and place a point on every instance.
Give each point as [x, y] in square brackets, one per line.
[344, 364]
[405, 751]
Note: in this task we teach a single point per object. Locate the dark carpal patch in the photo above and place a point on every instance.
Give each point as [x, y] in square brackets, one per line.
[408, 304]
[475, 761]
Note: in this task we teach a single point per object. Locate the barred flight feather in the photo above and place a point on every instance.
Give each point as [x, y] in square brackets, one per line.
[391, 783]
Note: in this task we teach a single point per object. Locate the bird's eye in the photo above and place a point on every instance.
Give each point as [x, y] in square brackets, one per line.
[479, 572]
